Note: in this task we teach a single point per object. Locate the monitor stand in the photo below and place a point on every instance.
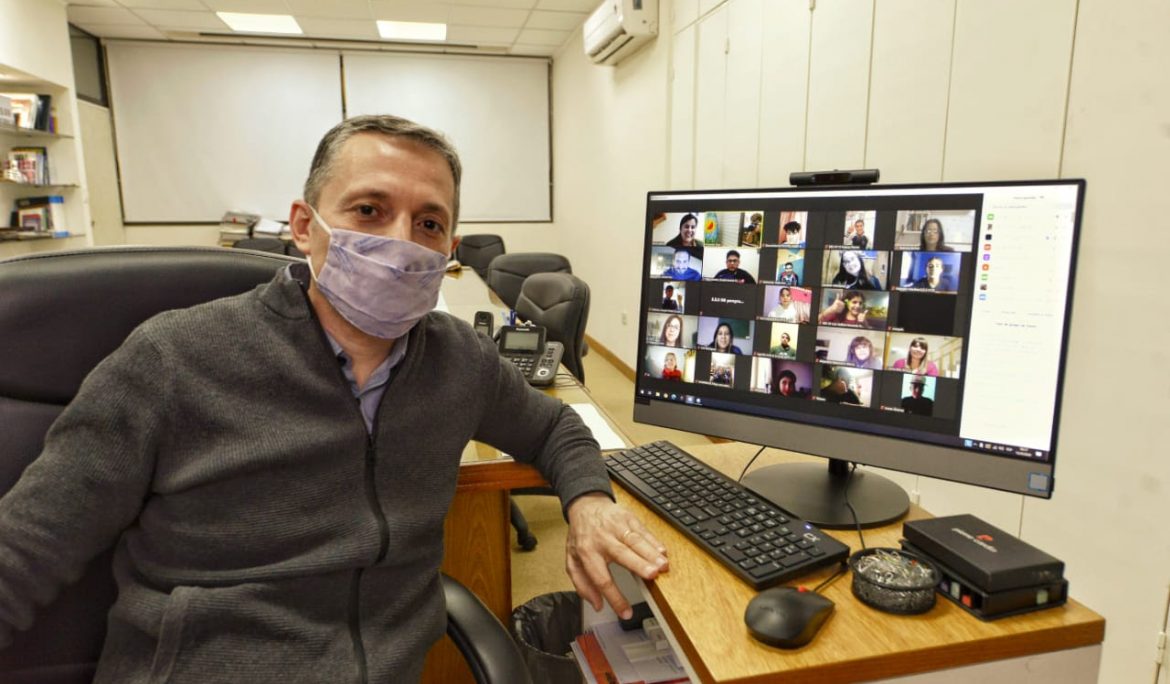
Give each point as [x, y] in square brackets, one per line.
[817, 494]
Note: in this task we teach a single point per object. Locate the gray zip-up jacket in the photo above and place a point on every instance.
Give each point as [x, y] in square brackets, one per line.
[262, 534]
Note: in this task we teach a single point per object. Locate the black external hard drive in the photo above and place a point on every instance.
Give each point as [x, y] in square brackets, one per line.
[991, 606]
[989, 558]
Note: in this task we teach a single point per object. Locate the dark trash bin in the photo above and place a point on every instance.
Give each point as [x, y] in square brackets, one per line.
[544, 628]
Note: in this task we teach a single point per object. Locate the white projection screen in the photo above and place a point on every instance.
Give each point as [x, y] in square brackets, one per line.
[204, 129]
[495, 110]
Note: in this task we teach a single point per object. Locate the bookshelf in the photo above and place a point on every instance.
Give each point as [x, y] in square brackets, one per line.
[66, 170]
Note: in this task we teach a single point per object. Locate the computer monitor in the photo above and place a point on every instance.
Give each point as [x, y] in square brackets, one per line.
[920, 328]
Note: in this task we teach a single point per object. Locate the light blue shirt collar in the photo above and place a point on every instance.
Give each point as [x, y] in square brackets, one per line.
[370, 395]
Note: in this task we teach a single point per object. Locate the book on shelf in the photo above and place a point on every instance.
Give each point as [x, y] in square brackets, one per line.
[33, 111]
[31, 165]
[7, 114]
[46, 213]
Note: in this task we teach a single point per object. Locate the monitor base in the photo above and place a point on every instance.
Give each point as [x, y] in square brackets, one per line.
[817, 493]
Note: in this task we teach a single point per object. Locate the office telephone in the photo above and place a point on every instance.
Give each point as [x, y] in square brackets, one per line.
[536, 358]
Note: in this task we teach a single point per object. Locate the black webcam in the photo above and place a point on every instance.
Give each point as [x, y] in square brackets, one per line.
[834, 177]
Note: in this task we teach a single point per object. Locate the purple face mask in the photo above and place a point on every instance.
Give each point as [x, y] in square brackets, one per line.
[383, 286]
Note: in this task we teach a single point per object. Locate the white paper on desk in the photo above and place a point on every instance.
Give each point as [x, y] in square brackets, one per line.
[441, 305]
[268, 227]
[602, 432]
[611, 637]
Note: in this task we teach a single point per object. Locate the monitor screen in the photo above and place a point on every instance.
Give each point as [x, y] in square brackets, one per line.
[920, 328]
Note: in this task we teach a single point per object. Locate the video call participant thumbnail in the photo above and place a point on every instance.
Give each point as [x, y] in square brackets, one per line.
[681, 267]
[787, 274]
[853, 348]
[842, 385]
[858, 227]
[855, 269]
[725, 299]
[935, 271]
[668, 363]
[751, 233]
[943, 230]
[787, 304]
[672, 297]
[688, 235]
[722, 369]
[917, 359]
[854, 308]
[926, 313]
[670, 330]
[788, 230]
[782, 378]
[783, 340]
[732, 271]
[915, 402]
[721, 336]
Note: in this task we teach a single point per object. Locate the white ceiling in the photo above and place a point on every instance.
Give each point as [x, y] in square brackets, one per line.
[519, 27]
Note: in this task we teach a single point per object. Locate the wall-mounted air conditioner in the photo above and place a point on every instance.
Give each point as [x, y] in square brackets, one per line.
[619, 27]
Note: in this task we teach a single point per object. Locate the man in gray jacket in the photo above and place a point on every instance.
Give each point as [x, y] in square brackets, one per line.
[274, 468]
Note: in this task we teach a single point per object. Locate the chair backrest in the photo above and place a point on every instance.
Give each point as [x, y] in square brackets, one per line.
[507, 272]
[261, 244]
[559, 302]
[477, 251]
[61, 313]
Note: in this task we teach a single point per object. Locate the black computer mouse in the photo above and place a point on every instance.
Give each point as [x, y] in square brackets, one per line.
[787, 617]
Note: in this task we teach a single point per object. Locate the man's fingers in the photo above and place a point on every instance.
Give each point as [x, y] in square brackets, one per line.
[585, 588]
[597, 571]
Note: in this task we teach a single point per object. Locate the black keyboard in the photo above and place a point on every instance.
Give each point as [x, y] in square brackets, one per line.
[758, 541]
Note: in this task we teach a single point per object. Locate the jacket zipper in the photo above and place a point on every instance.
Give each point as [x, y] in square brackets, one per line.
[355, 626]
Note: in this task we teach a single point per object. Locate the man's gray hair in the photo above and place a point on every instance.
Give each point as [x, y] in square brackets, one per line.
[384, 124]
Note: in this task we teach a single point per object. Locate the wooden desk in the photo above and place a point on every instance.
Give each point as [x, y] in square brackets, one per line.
[703, 604]
[477, 530]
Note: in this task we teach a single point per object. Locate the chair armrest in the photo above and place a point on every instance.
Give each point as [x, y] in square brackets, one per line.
[489, 649]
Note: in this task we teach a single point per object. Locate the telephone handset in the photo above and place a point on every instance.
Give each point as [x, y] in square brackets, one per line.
[536, 358]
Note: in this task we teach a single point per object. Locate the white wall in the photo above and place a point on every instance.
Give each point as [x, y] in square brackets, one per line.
[34, 38]
[101, 169]
[947, 90]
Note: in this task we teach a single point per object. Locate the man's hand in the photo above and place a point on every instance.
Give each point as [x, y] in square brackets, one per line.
[601, 531]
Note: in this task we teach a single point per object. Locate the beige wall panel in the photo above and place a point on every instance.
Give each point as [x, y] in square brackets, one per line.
[838, 84]
[610, 129]
[1008, 87]
[682, 13]
[1113, 455]
[908, 89]
[710, 100]
[742, 133]
[682, 110]
[783, 89]
[706, 6]
[101, 173]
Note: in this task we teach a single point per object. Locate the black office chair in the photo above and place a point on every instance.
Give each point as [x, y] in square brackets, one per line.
[261, 244]
[477, 251]
[61, 313]
[560, 303]
[507, 272]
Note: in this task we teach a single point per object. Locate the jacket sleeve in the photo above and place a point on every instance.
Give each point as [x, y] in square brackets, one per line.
[87, 485]
[540, 430]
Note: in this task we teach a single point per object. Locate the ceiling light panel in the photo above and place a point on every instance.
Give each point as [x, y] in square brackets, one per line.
[260, 23]
[412, 30]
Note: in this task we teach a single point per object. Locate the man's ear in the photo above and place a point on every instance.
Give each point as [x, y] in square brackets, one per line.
[455, 240]
[299, 219]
